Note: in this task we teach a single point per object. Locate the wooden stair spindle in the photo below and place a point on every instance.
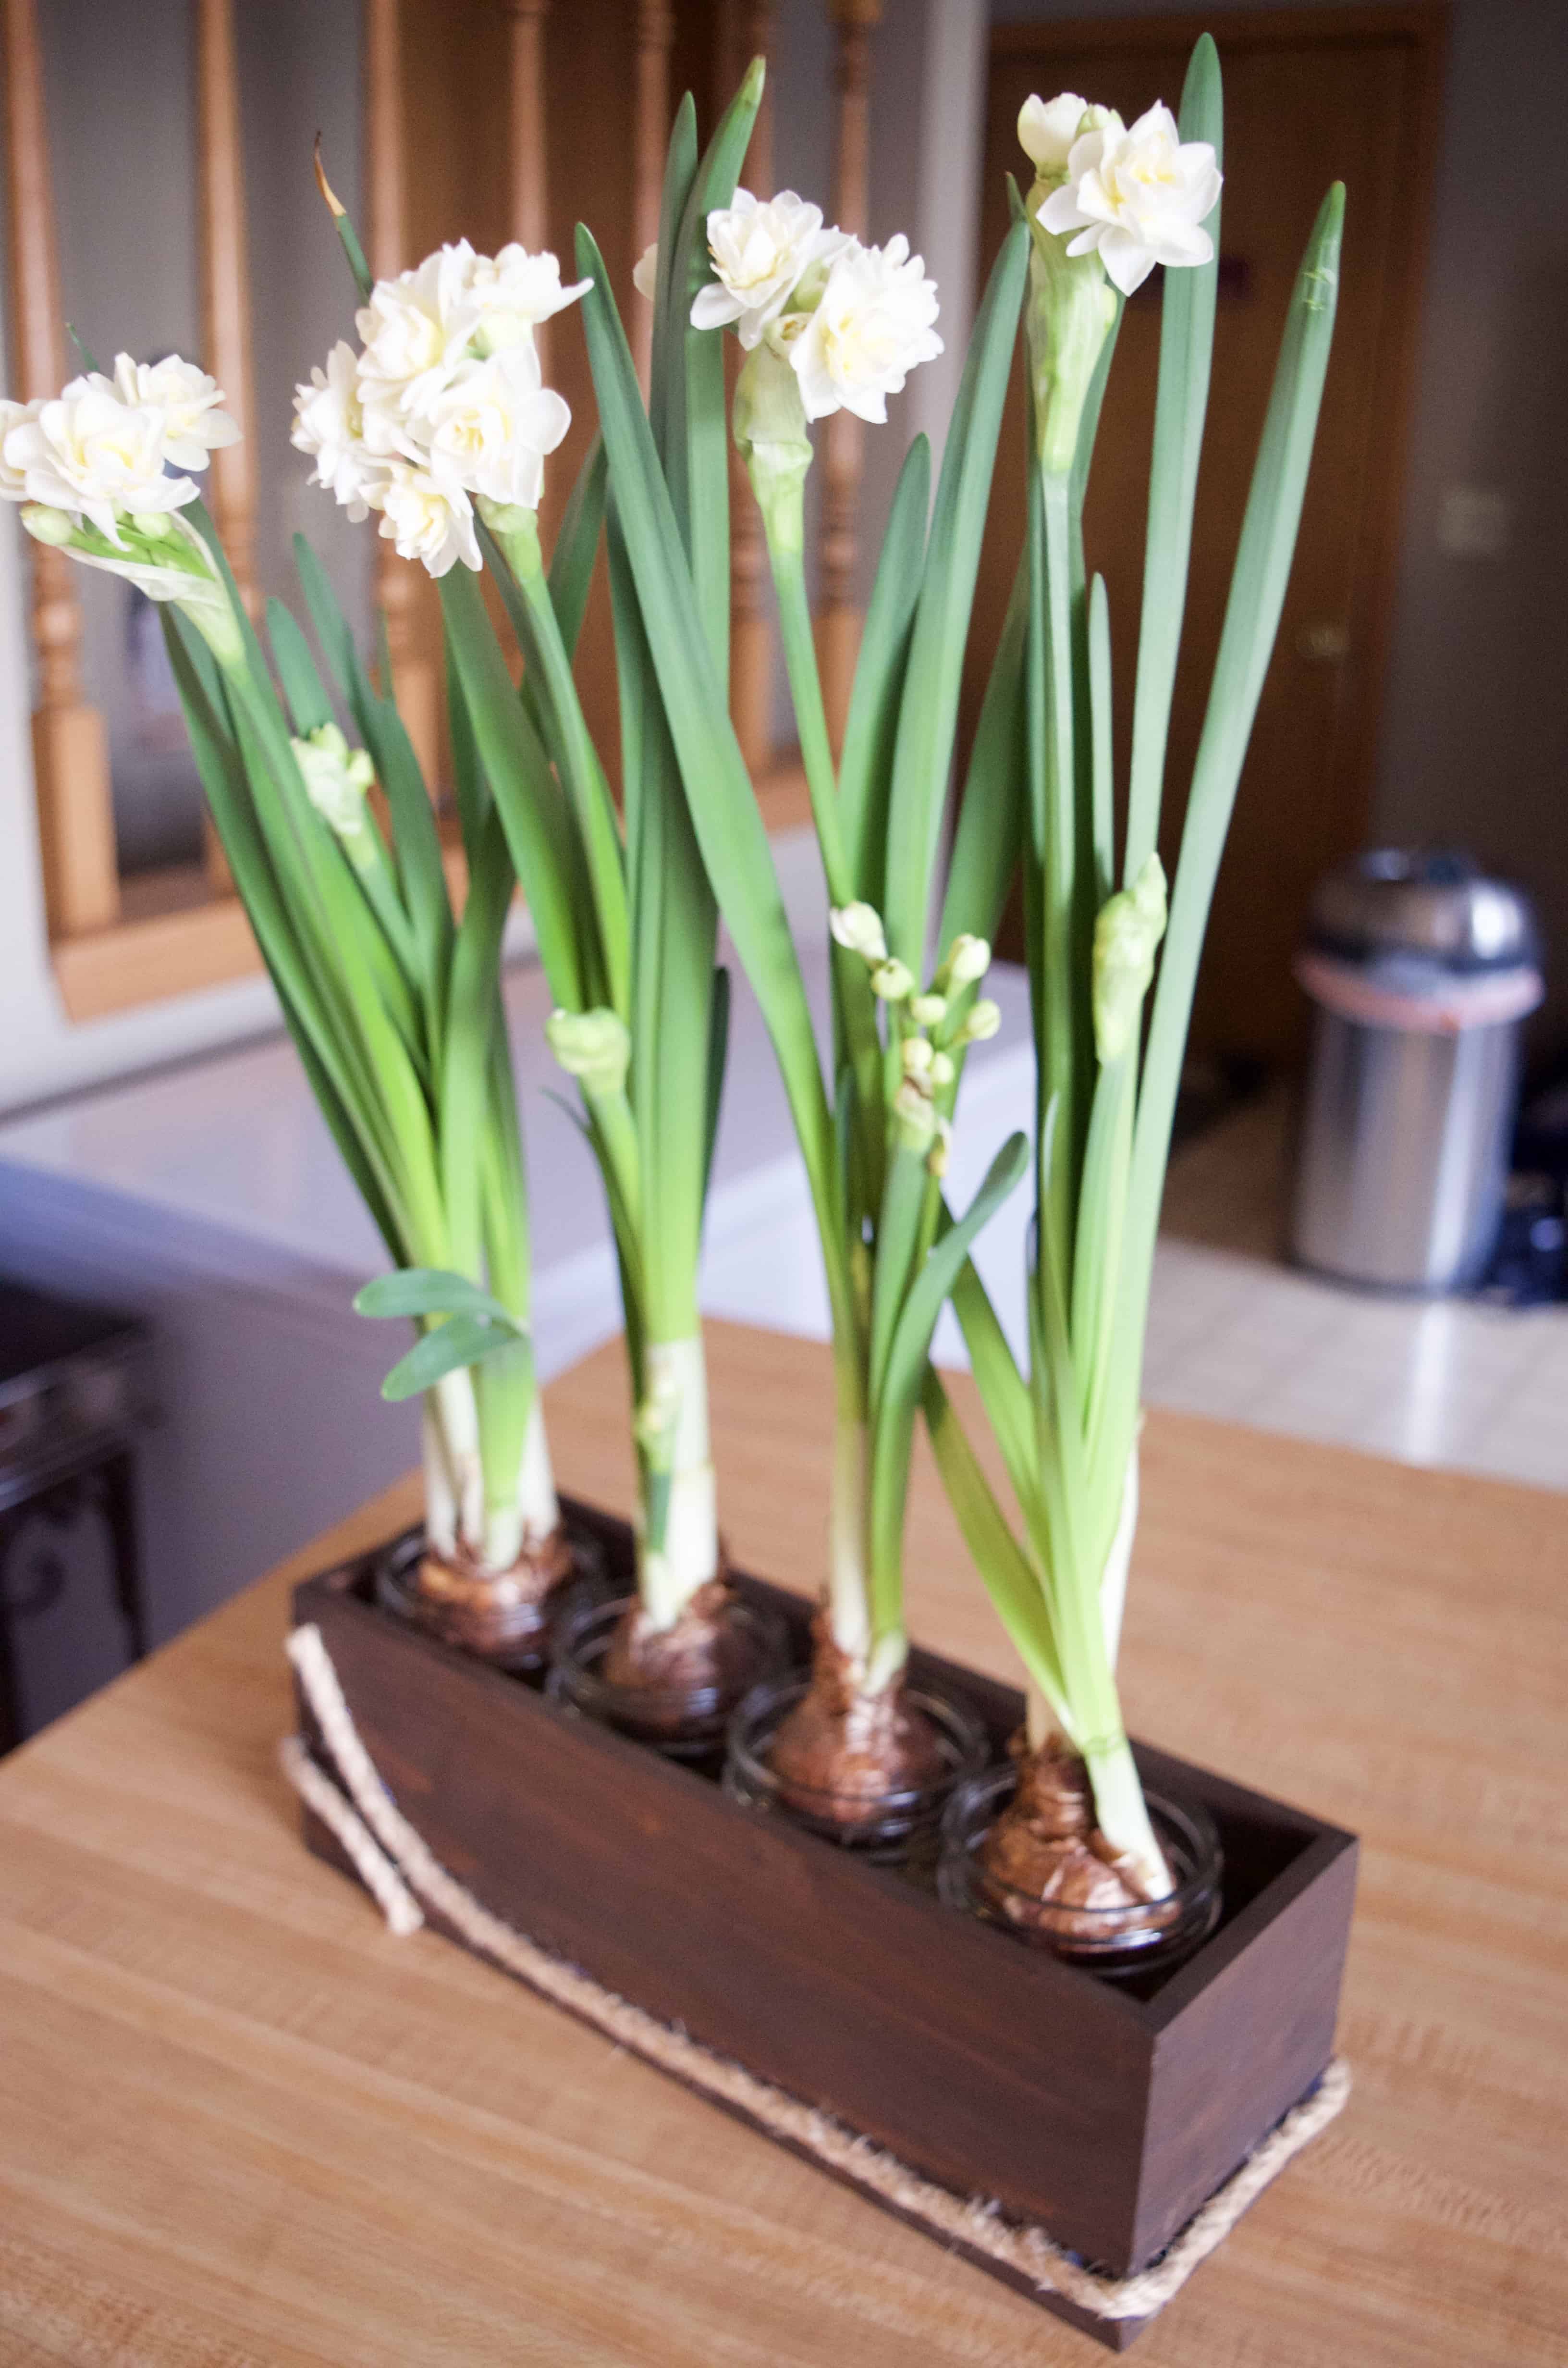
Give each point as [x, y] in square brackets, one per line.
[414, 680]
[844, 438]
[656, 34]
[225, 317]
[746, 28]
[226, 286]
[529, 212]
[71, 765]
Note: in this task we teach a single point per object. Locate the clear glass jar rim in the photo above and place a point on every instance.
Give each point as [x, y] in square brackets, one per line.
[1189, 1825]
[956, 1726]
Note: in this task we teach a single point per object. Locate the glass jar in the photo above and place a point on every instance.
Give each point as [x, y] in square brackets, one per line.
[1118, 1943]
[511, 1633]
[685, 1723]
[890, 1828]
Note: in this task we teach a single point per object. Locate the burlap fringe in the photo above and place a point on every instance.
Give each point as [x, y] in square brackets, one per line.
[401, 1872]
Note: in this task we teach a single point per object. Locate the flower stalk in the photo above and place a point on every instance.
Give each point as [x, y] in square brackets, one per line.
[1107, 205]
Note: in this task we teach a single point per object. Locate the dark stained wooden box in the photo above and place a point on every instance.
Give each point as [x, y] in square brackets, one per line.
[1107, 2118]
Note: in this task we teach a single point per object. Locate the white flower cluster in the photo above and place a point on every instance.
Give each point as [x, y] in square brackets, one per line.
[97, 453]
[930, 1030]
[852, 321]
[1136, 197]
[443, 405]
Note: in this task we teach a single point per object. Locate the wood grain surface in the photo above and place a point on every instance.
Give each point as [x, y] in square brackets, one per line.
[240, 2124]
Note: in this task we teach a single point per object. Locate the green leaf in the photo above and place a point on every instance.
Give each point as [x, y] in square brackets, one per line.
[1011, 1579]
[928, 716]
[871, 732]
[459, 1342]
[530, 802]
[893, 1418]
[576, 549]
[305, 693]
[1246, 641]
[415, 839]
[724, 811]
[718, 1057]
[991, 815]
[1186, 345]
[431, 1291]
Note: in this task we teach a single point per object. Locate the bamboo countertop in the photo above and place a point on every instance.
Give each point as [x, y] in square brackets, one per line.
[241, 2126]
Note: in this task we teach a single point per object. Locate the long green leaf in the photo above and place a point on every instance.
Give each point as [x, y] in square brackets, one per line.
[530, 804]
[870, 732]
[1011, 1579]
[724, 812]
[1186, 345]
[1246, 641]
[576, 549]
[928, 714]
[894, 1431]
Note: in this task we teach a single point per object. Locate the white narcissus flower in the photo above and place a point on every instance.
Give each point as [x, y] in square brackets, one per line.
[415, 330]
[428, 518]
[858, 928]
[873, 324]
[507, 295]
[12, 477]
[489, 427]
[329, 424]
[92, 455]
[194, 424]
[337, 778]
[761, 250]
[1048, 127]
[1139, 196]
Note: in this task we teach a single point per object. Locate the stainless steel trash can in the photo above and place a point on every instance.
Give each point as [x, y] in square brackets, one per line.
[1420, 972]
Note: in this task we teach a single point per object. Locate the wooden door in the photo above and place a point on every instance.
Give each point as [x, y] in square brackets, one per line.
[1310, 98]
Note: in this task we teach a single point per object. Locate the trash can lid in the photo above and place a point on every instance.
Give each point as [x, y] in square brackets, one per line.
[1432, 904]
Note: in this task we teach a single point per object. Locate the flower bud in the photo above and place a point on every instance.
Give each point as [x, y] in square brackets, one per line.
[858, 928]
[892, 980]
[914, 1116]
[595, 1047]
[967, 960]
[53, 527]
[152, 524]
[1127, 933]
[917, 1057]
[942, 1069]
[336, 779]
[983, 1019]
[937, 1158]
[928, 1010]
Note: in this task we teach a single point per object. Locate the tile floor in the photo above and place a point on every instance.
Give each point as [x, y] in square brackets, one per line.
[1236, 1334]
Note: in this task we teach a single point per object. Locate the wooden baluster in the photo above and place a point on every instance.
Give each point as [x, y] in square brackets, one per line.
[844, 437]
[225, 317]
[225, 285]
[528, 214]
[397, 580]
[71, 764]
[746, 28]
[655, 33]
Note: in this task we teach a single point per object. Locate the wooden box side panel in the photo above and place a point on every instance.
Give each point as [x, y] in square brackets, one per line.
[843, 1984]
[1247, 2044]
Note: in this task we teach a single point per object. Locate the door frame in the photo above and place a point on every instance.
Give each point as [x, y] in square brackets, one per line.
[1422, 26]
